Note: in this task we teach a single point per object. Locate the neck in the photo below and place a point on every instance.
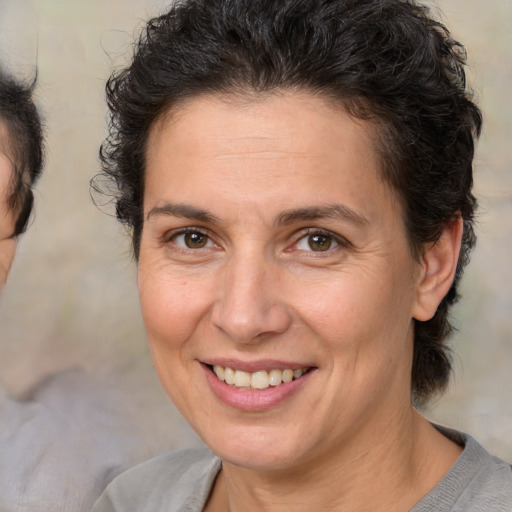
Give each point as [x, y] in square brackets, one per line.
[389, 469]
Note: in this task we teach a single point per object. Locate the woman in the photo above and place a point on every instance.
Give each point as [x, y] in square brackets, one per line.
[297, 176]
[21, 162]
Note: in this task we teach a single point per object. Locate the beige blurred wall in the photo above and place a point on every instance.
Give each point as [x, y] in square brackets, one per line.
[83, 400]
[71, 300]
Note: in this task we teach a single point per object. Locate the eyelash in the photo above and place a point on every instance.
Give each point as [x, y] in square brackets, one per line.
[301, 236]
[171, 237]
[309, 232]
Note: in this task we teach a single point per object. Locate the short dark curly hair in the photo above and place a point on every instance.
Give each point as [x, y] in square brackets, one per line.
[24, 130]
[386, 61]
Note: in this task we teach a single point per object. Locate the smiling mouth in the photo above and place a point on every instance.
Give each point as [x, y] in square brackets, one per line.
[257, 380]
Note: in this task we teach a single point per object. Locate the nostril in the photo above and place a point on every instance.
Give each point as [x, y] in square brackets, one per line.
[249, 307]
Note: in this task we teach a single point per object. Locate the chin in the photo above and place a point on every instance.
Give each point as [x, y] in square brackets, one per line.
[257, 448]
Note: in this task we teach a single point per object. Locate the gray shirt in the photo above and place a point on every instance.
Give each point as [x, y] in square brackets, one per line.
[182, 481]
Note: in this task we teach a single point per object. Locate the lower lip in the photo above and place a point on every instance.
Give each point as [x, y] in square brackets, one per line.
[254, 400]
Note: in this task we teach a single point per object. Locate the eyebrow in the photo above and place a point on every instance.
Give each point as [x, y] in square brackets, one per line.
[332, 211]
[183, 210]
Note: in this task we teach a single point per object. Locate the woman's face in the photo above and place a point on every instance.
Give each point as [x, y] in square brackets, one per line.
[7, 220]
[270, 246]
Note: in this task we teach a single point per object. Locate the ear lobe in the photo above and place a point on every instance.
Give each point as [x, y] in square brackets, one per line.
[439, 263]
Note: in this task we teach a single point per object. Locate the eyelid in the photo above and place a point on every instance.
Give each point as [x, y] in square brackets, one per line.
[340, 240]
[170, 235]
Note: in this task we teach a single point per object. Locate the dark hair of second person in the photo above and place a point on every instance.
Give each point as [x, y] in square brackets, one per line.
[23, 146]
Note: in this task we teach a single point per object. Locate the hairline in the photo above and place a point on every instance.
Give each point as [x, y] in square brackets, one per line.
[234, 94]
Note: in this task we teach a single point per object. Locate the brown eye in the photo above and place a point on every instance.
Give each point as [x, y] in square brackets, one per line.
[320, 242]
[195, 240]
[317, 242]
[192, 240]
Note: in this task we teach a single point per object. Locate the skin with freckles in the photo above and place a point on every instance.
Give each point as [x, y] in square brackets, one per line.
[7, 217]
[271, 241]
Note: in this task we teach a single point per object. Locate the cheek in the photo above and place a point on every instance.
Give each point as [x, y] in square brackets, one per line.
[357, 313]
[173, 308]
[7, 250]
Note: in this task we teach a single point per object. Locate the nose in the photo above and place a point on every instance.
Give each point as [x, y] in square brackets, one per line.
[250, 306]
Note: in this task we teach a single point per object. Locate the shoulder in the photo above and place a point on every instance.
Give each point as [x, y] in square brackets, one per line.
[477, 482]
[490, 486]
[180, 465]
[168, 482]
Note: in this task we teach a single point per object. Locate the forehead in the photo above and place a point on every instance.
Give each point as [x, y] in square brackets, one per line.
[5, 140]
[5, 157]
[4, 134]
[268, 126]
[282, 112]
[6, 215]
[279, 151]
[6, 169]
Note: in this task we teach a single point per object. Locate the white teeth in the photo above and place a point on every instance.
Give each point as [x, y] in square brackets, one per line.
[287, 375]
[242, 379]
[229, 376]
[298, 373]
[275, 377]
[257, 380]
[219, 371]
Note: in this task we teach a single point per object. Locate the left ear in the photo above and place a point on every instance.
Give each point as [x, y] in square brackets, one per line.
[438, 266]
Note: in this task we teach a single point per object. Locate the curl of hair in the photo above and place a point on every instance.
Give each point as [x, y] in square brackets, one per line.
[25, 142]
[386, 61]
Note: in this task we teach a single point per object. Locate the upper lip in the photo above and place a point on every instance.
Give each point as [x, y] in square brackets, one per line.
[254, 366]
